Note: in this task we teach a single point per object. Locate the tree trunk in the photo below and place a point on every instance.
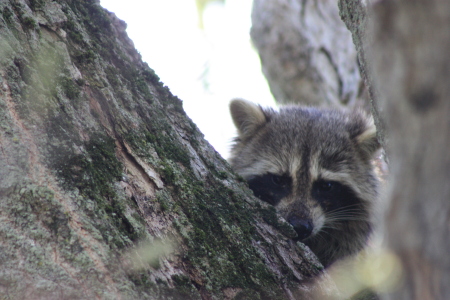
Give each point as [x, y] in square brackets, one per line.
[406, 61]
[107, 189]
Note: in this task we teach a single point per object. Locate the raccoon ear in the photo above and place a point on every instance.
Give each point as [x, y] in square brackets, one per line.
[367, 138]
[247, 116]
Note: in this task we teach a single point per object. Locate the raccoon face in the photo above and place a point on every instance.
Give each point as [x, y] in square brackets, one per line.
[315, 166]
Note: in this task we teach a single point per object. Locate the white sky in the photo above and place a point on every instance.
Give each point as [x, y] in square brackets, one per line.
[204, 68]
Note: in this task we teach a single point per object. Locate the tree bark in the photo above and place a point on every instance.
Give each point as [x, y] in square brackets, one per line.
[404, 51]
[307, 54]
[107, 189]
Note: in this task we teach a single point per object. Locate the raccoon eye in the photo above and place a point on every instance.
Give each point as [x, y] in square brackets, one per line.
[269, 187]
[333, 195]
[326, 186]
[281, 181]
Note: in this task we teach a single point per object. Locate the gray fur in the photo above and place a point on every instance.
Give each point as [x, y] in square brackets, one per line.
[316, 152]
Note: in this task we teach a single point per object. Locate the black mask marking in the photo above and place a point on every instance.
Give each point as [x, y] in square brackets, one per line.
[270, 188]
[333, 195]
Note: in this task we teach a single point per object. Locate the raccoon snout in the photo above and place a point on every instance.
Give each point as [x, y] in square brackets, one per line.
[303, 227]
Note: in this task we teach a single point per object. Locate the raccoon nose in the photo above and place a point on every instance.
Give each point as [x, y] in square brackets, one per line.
[302, 227]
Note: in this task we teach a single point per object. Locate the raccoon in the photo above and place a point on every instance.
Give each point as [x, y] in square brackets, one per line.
[315, 166]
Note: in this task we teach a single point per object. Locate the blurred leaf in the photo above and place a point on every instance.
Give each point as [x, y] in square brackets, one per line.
[377, 270]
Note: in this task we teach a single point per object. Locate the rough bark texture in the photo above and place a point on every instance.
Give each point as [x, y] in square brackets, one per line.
[354, 15]
[307, 54]
[97, 157]
[408, 64]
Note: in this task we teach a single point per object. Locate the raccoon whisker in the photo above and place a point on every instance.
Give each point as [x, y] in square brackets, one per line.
[328, 226]
[343, 215]
[343, 220]
[352, 207]
[345, 212]
[346, 215]
[320, 236]
[346, 209]
[336, 221]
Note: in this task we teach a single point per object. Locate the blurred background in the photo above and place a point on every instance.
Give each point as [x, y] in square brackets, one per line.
[201, 49]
